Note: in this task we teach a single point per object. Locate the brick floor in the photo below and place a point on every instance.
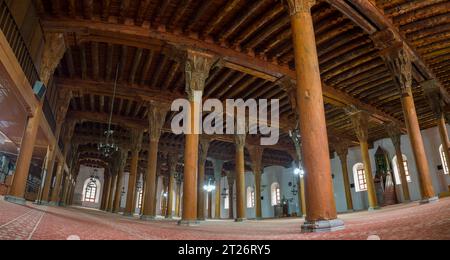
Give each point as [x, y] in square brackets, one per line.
[410, 221]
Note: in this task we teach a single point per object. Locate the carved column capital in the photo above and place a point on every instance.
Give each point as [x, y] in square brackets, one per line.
[360, 121]
[289, 86]
[136, 140]
[239, 140]
[300, 6]
[398, 58]
[156, 116]
[433, 93]
[256, 155]
[62, 105]
[197, 67]
[341, 149]
[54, 50]
[394, 133]
[203, 149]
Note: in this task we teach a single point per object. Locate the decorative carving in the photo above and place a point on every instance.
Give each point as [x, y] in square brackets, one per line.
[289, 86]
[398, 58]
[435, 98]
[64, 98]
[300, 6]
[198, 65]
[239, 140]
[394, 133]
[256, 154]
[54, 50]
[136, 140]
[360, 120]
[203, 150]
[341, 149]
[156, 116]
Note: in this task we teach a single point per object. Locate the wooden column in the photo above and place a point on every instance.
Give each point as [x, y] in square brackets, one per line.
[297, 156]
[360, 120]
[17, 191]
[178, 198]
[218, 165]
[156, 116]
[48, 161]
[240, 177]
[203, 153]
[197, 69]
[398, 59]
[136, 143]
[395, 135]
[231, 178]
[210, 205]
[105, 190]
[320, 204]
[112, 191]
[173, 162]
[256, 155]
[119, 184]
[432, 90]
[342, 151]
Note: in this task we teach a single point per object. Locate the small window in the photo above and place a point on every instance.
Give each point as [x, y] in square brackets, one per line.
[398, 180]
[275, 194]
[250, 197]
[91, 192]
[359, 177]
[444, 160]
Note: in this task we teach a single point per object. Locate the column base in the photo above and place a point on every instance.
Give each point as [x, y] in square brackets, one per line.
[189, 223]
[322, 226]
[148, 218]
[53, 204]
[128, 214]
[429, 200]
[374, 208]
[15, 200]
[259, 218]
[240, 220]
[42, 203]
[169, 217]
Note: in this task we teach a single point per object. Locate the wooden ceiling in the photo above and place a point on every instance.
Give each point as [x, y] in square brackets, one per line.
[253, 41]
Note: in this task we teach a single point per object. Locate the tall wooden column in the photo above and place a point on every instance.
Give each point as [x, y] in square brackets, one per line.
[398, 59]
[173, 162]
[342, 151]
[210, 205]
[432, 90]
[47, 164]
[17, 191]
[218, 165]
[240, 177]
[231, 178]
[197, 69]
[136, 144]
[395, 135]
[360, 120]
[320, 204]
[156, 116]
[203, 153]
[178, 199]
[256, 154]
[119, 184]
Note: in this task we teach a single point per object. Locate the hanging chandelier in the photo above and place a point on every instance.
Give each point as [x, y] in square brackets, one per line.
[108, 148]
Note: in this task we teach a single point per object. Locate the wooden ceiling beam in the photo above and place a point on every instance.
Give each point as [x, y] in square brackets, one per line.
[242, 59]
[136, 63]
[95, 61]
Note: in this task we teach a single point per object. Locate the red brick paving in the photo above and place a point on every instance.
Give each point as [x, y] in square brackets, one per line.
[411, 221]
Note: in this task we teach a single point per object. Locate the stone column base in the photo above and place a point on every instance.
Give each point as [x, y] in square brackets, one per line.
[189, 223]
[240, 220]
[148, 218]
[15, 200]
[127, 214]
[429, 200]
[323, 226]
[53, 204]
[169, 217]
[42, 203]
[374, 209]
[259, 218]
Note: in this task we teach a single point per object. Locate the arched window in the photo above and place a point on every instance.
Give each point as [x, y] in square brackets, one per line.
[275, 194]
[398, 180]
[359, 177]
[226, 201]
[444, 160]
[250, 197]
[90, 193]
